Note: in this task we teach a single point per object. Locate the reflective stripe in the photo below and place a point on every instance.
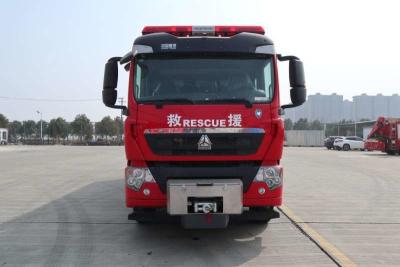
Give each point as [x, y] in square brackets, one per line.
[265, 49]
[202, 130]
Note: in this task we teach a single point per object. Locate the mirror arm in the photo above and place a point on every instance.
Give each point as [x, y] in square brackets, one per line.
[285, 58]
[124, 109]
[290, 106]
[114, 59]
[127, 58]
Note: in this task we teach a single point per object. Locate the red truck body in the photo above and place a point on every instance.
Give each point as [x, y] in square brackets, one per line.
[374, 145]
[217, 142]
[385, 136]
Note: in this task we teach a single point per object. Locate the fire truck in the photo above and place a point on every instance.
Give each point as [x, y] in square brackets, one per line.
[203, 129]
[385, 136]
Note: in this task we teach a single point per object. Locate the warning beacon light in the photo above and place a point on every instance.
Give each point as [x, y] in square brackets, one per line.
[221, 31]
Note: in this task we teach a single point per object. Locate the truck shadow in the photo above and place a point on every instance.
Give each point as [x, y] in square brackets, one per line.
[379, 155]
[89, 226]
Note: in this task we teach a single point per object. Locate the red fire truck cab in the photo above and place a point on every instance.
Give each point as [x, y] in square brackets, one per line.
[203, 128]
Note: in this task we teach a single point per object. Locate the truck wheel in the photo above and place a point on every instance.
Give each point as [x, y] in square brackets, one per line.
[144, 215]
[262, 214]
[346, 147]
[391, 152]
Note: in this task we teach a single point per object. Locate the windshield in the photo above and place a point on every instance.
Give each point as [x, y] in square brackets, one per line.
[203, 79]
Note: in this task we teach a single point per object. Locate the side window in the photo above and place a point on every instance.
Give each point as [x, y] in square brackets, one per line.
[138, 78]
[268, 80]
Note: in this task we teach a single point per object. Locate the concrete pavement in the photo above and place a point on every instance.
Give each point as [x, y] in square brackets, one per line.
[63, 206]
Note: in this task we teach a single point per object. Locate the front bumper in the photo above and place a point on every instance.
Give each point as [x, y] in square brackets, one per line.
[158, 199]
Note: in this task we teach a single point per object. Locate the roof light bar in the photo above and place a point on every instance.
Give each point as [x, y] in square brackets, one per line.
[203, 30]
[174, 30]
[232, 30]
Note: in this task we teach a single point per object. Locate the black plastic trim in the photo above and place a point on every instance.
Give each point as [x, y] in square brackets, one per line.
[240, 43]
[162, 171]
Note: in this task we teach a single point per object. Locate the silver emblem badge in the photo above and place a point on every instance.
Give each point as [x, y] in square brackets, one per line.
[258, 113]
[204, 143]
[168, 46]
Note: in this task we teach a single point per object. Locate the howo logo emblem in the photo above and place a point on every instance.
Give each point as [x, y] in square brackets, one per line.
[204, 143]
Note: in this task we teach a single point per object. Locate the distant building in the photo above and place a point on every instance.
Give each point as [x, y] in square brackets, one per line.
[332, 108]
[394, 106]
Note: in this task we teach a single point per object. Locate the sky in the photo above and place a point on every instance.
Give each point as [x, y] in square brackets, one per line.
[57, 49]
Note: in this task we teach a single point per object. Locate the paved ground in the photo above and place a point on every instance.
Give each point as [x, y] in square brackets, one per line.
[350, 198]
[63, 206]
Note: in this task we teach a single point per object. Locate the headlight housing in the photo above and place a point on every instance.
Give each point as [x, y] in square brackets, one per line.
[271, 176]
[135, 177]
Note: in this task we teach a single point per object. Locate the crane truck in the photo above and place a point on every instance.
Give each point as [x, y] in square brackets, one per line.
[203, 128]
[385, 136]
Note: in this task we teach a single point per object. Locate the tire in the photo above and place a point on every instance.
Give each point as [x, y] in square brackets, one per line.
[346, 147]
[144, 215]
[391, 152]
[263, 215]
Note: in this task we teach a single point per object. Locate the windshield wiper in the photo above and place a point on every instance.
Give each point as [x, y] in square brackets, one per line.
[244, 101]
[160, 102]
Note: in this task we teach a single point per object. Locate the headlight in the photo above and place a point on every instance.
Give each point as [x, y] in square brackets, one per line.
[272, 176]
[135, 177]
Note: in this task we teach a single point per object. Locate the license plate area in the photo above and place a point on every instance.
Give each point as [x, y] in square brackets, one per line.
[188, 196]
[205, 205]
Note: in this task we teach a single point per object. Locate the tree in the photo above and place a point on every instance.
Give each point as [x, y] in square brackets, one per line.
[45, 126]
[58, 128]
[3, 121]
[28, 128]
[301, 124]
[15, 129]
[82, 127]
[120, 126]
[316, 125]
[288, 124]
[106, 127]
[331, 129]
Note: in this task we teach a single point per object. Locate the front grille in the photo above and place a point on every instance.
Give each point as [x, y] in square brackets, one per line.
[221, 143]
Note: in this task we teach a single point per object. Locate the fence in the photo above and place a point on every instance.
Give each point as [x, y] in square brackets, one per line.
[304, 138]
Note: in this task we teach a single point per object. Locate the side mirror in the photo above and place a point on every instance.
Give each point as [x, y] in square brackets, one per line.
[110, 83]
[298, 92]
